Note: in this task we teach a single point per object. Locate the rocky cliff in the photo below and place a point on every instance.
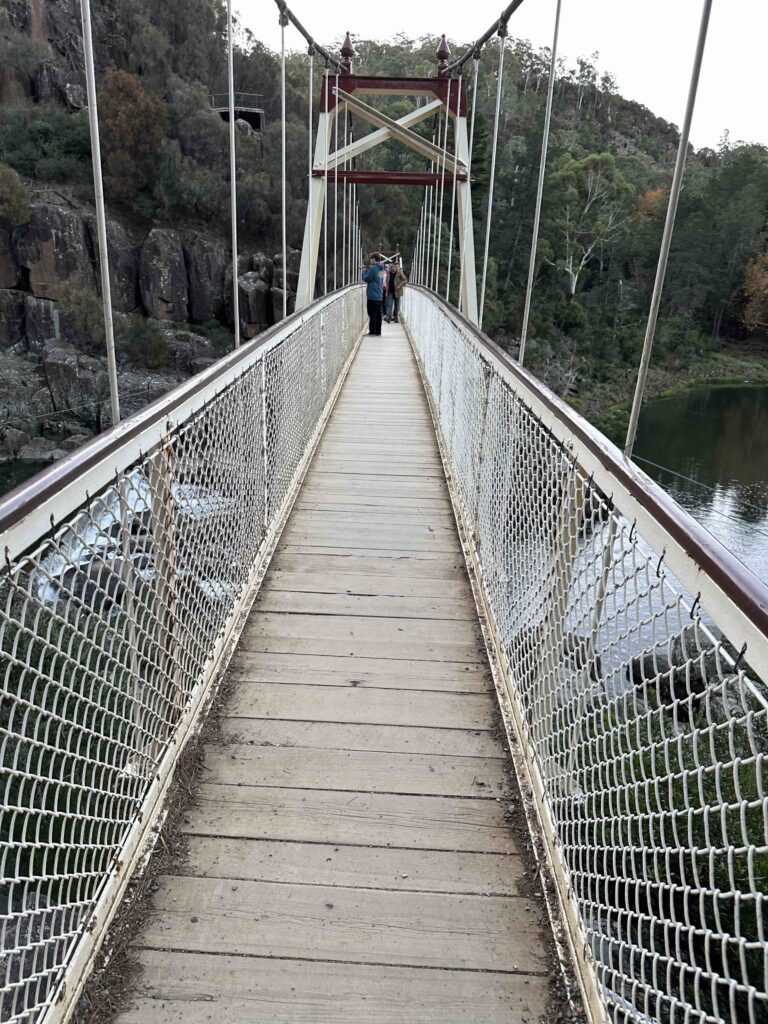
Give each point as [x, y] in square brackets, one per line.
[178, 282]
[171, 283]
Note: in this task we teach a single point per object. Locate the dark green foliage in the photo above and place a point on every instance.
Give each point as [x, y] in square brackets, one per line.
[219, 336]
[14, 205]
[144, 345]
[46, 142]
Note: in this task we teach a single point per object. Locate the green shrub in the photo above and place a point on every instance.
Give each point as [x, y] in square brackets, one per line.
[220, 337]
[144, 345]
[84, 318]
[46, 142]
[14, 205]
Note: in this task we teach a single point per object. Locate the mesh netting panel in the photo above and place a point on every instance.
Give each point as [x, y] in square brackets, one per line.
[109, 624]
[648, 732]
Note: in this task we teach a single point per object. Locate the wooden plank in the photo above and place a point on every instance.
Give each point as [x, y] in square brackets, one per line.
[191, 988]
[351, 504]
[439, 557]
[380, 467]
[435, 633]
[417, 650]
[397, 566]
[355, 771]
[373, 536]
[336, 736]
[362, 819]
[363, 705]
[371, 483]
[366, 585]
[373, 515]
[317, 922]
[480, 874]
[386, 673]
[270, 600]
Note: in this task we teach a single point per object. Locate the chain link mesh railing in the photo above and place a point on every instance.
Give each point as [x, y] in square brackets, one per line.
[620, 627]
[121, 579]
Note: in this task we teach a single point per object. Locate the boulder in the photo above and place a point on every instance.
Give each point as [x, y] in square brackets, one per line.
[277, 303]
[11, 318]
[42, 323]
[206, 272]
[9, 268]
[264, 267]
[163, 276]
[21, 379]
[54, 248]
[123, 264]
[14, 440]
[77, 382]
[40, 449]
[293, 261]
[255, 300]
[186, 348]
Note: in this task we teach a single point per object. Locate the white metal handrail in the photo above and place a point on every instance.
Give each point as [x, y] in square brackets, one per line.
[127, 570]
[632, 655]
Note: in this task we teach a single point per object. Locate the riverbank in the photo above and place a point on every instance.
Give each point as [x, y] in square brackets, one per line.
[607, 403]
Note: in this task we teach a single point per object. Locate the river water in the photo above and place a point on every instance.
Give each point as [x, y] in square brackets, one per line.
[713, 443]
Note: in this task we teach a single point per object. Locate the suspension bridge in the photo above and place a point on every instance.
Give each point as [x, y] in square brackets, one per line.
[482, 712]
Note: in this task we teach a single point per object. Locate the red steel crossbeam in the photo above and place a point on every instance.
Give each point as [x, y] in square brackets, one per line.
[367, 85]
[390, 177]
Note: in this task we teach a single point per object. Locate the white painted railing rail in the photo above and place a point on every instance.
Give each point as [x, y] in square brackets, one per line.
[126, 572]
[632, 655]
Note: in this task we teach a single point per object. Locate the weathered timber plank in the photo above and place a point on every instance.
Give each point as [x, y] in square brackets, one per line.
[372, 868]
[455, 654]
[271, 600]
[386, 673]
[437, 632]
[335, 736]
[366, 585]
[373, 536]
[191, 988]
[364, 819]
[359, 771]
[317, 922]
[396, 566]
[363, 705]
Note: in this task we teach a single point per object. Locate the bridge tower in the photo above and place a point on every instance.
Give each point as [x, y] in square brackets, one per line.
[440, 93]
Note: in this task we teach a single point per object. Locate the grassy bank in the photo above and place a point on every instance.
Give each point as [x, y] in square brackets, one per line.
[607, 403]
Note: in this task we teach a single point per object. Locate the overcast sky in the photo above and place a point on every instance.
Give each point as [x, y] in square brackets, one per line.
[647, 44]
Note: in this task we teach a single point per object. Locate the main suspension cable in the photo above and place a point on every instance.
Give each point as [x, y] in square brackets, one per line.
[540, 188]
[329, 58]
[489, 216]
[476, 47]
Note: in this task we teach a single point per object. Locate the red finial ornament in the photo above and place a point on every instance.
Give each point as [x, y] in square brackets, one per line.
[443, 55]
[347, 53]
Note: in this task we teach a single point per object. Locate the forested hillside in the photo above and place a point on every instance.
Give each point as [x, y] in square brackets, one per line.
[166, 170]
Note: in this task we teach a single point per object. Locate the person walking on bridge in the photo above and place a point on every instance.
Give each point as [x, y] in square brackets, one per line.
[373, 279]
[396, 281]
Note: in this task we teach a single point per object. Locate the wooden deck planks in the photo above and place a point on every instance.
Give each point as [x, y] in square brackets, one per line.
[180, 989]
[349, 853]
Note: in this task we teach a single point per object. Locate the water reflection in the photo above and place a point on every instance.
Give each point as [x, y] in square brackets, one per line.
[713, 443]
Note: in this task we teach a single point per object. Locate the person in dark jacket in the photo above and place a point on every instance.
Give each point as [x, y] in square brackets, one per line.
[374, 293]
[396, 281]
